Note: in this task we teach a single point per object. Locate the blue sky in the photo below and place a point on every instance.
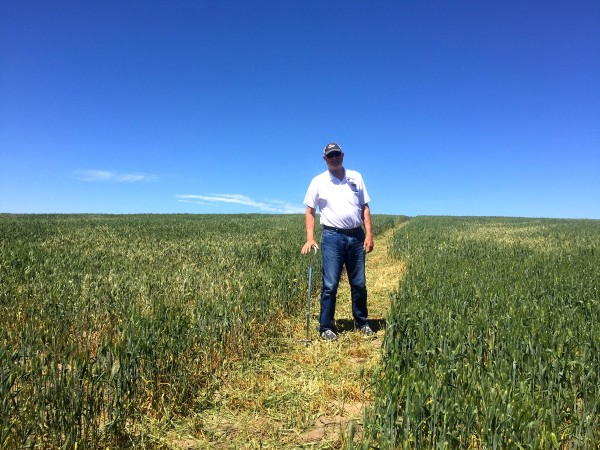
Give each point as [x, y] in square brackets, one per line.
[447, 108]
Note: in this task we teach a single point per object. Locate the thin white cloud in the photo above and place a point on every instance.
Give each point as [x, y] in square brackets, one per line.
[287, 207]
[272, 206]
[115, 177]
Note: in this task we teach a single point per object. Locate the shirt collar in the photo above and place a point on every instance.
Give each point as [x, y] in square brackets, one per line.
[335, 179]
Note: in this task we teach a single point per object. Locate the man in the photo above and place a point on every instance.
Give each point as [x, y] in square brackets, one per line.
[342, 199]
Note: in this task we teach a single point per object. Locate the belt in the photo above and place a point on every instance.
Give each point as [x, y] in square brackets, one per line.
[349, 232]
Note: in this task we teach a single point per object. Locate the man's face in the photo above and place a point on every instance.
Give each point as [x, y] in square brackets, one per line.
[334, 159]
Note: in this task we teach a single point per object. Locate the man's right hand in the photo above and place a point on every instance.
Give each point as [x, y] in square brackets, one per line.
[306, 248]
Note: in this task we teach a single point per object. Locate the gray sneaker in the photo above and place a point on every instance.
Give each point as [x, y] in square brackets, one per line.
[366, 330]
[328, 335]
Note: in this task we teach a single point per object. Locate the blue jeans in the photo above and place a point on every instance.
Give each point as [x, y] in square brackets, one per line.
[339, 249]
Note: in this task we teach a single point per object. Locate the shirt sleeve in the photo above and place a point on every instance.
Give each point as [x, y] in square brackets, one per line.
[311, 199]
[365, 195]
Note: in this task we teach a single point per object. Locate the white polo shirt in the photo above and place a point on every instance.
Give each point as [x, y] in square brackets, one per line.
[339, 201]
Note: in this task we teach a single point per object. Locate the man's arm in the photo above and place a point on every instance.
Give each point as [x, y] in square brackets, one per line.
[366, 213]
[309, 221]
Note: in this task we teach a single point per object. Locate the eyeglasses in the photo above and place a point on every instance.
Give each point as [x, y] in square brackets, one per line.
[333, 155]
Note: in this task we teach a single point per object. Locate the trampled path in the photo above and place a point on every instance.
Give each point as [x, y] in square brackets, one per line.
[298, 396]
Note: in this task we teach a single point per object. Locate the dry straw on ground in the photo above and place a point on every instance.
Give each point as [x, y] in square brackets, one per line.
[293, 396]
